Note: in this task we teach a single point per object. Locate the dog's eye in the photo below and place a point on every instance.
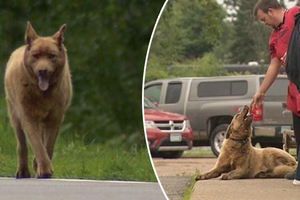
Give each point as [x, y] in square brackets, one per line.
[51, 56]
[36, 55]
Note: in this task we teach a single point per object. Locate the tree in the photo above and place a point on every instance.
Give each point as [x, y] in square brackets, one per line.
[250, 36]
[187, 30]
[107, 43]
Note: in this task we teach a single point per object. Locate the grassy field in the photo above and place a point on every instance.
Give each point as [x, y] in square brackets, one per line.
[73, 159]
[199, 152]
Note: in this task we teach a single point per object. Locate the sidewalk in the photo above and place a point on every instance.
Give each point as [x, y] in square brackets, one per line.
[174, 186]
[246, 189]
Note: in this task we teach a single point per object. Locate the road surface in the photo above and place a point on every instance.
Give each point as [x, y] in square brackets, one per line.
[42, 189]
[246, 189]
[174, 175]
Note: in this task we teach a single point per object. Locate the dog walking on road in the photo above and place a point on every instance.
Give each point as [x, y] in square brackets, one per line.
[38, 92]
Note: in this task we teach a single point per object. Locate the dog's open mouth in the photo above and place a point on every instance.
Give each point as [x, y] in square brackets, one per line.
[43, 78]
[246, 115]
[43, 83]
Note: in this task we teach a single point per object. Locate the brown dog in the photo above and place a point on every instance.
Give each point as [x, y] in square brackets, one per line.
[38, 91]
[239, 159]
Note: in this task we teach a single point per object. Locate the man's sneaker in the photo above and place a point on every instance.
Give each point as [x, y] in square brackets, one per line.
[290, 176]
[296, 182]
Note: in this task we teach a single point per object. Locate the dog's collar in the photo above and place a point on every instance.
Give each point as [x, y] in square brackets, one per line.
[243, 141]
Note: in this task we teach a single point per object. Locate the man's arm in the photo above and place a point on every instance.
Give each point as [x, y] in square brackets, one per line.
[270, 77]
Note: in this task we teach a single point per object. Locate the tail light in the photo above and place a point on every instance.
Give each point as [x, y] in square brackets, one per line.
[257, 113]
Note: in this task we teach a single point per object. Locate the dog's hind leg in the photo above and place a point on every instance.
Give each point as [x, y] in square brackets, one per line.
[281, 170]
[23, 171]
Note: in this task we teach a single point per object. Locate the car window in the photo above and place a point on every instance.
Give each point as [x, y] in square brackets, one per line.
[278, 88]
[149, 104]
[153, 92]
[213, 89]
[173, 92]
[222, 88]
[238, 88]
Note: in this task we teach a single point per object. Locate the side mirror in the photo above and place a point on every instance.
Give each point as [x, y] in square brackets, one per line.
[155, 103]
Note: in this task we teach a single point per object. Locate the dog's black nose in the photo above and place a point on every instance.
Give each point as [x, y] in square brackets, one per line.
[42, 72]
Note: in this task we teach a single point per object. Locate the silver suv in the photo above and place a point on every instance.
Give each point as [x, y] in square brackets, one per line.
[211, 102]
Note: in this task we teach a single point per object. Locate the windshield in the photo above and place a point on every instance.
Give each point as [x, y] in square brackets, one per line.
[148, 104]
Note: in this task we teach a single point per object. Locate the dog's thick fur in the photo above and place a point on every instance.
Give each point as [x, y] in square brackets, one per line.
[239, 159]
[38, 92]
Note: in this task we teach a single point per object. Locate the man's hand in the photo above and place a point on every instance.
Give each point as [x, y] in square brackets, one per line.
[256, 100]
[283, 59]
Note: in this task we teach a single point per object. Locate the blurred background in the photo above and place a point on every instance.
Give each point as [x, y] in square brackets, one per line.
[206, 37]
[102, 134]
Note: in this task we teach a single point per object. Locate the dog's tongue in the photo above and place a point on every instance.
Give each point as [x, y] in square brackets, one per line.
[43, 84]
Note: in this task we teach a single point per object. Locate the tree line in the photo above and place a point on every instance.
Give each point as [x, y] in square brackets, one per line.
[195, 38]
[107, 43]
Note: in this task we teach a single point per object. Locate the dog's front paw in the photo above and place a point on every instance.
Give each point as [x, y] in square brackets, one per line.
[225, 177]
[45, 171]
[22, 174]
[44, 175]
[199, 177]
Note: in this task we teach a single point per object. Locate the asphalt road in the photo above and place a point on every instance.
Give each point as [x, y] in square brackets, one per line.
[246, 189]
[35, 189]
[174, 186]
[174, 175]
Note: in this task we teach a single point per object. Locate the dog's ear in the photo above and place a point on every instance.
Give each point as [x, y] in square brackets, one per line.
[228, 131]
[58, 36]
[30, 34]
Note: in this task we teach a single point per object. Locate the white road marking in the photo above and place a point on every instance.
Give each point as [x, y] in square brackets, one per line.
[82, 180]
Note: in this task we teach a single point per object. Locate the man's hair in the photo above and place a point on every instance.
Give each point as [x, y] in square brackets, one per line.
[264, 5]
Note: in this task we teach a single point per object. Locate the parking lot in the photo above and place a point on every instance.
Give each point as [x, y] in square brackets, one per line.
[175, 174]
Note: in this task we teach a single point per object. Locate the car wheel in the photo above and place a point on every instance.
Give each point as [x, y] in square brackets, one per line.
[217, 137]
[154, 154]
[171, 154]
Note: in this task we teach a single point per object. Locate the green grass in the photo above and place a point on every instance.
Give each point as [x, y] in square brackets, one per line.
[189, 189]
[102, 162]
[199, 152]
[74, 159]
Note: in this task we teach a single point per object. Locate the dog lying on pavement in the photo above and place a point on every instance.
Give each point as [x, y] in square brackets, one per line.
[239, 159]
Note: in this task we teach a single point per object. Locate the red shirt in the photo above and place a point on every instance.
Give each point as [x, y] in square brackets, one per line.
[278, 44]
[280, 37]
